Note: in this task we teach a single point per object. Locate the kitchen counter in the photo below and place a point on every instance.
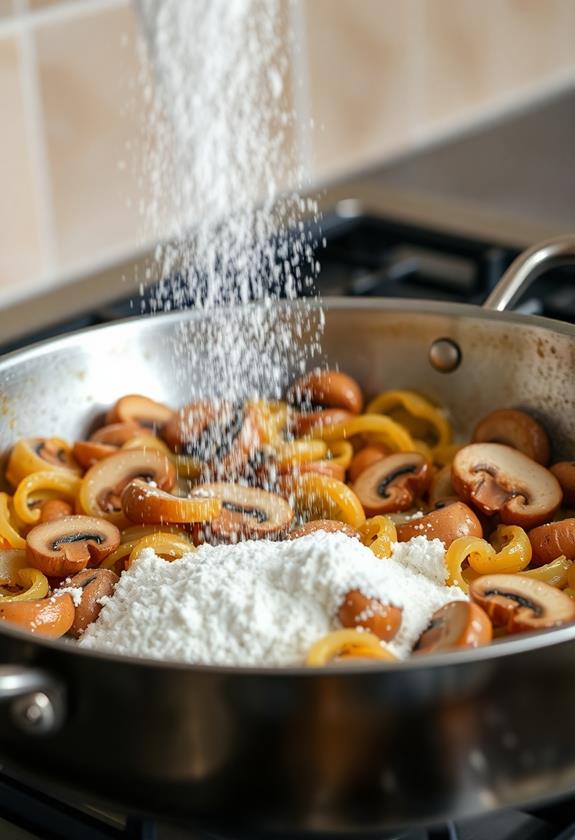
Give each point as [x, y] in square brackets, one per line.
[510, 182]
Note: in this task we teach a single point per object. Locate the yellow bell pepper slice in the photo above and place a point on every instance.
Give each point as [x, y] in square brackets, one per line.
[416, 406]
[348, 643]
[510, 553]
[271, 419]
[67, 485]
[169, 546]
[556, 573]
[341, 452]
[323, 497]
[443, 454]
[381, 429]
[379, 535]
[34, 583]
[293, 452]
[7, 529]
[24, 461]
[12, 561]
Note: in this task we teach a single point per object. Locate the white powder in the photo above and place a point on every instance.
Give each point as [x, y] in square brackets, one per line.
[222, 152]
[260, 602]
[423, 556]
[75, 592]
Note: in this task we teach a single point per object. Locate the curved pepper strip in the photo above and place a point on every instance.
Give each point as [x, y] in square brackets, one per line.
[292, 452]
[380, 428]
[7, 530]
[347, 643]
[509, 553]
[341, 452]
[271, 418]
[165, 544]
[12, 561]
[418, 407]
[557, 573]
[34, 584]
[443, 454]
[379, 535]
[324, 497]
[24, 461]
[148, 441]
[67, 484]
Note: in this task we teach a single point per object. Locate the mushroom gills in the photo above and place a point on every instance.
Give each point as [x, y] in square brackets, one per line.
[244, 510]
[389, 479]
[520, 600]
[75, 538]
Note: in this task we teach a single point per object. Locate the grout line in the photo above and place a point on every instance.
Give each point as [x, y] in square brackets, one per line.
[26, 18]
[36, 138]
[300, 73]
[418, 62]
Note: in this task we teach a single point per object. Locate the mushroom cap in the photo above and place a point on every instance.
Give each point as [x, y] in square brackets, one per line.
[135, 408]
[499, 479]
[564, 472]
[95, 585]
[516, 429]
[67, 545]
[302, 422]
[459, 624]
[521, 603]
[392, 483]
[551, 540]
[88, 452]
[446, 524]
[116, 434]
[358, 610]
[328, 388]
[247, 512]
[102, 486]
[363, 459]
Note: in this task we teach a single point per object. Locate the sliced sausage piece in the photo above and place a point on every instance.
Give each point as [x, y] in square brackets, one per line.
[552, 540]
[357, 610]
[446, 524]
[564, 472]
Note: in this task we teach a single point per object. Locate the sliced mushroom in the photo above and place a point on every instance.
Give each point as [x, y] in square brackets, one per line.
[441, 489]
[498, 479]
[66, 546]
[88, 453]
[393, 483]
[102, 486]
[365, 458]
[51, 617]
[357, 610]
[446, 524]
[330, 525]
[149, 506]
[55, 509]
[95, 585]
[31, 455]
[220, 434]
[516, 429]
[518, 603]
[552, 540]
[564, 472]
[328, 388]
[116, 434]
[134, 408]
[302, 422]
[247, 512]
[459, 624]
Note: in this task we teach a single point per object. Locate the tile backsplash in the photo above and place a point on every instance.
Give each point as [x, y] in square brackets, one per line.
[371, 78]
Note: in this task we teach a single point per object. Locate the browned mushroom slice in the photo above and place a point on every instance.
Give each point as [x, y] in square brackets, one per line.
[219, 434]
[516, 429]
[552, 540]
[102, 486]
[564, 472]
[148, 505]
[134, 408]
[393, 483]
[33, 454]
[441, 489]
[66, 546]
[458, 624]
[498, 479]
[95, 585]
[328, 388]
[446, 524]
[88, 453]
[116, 434]
[519, 603]
[329, 525]
[357, 610]
[247, 512]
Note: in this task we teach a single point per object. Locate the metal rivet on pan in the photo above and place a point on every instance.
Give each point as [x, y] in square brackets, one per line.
[35, 714]
[444, 355]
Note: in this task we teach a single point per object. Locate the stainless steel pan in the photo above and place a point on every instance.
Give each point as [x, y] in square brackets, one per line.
[351, 749]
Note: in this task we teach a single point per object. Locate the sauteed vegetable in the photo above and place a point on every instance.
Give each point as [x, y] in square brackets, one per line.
[386, 471]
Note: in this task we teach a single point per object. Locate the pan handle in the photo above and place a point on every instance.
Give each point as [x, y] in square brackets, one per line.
[36, 700]
[527, 267]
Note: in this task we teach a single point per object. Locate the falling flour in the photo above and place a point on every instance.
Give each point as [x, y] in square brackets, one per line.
[262, 602]
[224, 168]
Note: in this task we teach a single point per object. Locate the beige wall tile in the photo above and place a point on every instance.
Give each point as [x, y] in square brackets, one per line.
[46, 4]
[92, 111]
[359, 58]
[5, 8]
[20, 258]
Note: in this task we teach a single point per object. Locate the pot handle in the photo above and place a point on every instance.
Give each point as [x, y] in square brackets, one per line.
[36, 700]
[527, 267]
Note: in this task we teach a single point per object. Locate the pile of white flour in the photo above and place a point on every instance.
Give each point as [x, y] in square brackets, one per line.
[262, 602]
